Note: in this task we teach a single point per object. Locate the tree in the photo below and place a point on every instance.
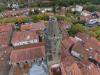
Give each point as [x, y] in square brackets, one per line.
[92, 7]
[76, 28]
[92, 34]
[2, 7]
[37, 18]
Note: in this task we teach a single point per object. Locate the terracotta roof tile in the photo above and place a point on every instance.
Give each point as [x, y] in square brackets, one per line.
[34, 26]
[72, 66]
[27, 26]
[93, 70]
[4, 39]
[39, 26]
[68, 42]
[27, 53]
[21, 36]
[75, 69]
[5, 27]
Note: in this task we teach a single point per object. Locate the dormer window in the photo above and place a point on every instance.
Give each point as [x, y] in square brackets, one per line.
[76, 54]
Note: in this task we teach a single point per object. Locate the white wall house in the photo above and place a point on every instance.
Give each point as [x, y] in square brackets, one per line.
[25, 42]
[77, 8]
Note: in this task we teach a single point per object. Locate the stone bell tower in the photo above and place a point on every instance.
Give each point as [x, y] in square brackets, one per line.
[53, 38]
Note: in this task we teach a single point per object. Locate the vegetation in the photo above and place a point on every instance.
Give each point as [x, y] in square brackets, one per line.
[14, 19]
[2, 7]
[92, 7]
[73, 2]
[76, 28]
[96, 31]
[93, 32]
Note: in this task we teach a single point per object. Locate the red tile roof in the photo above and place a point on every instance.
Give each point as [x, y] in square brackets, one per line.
[27, 53]
[93, 70]
[4, 39]
[68, 42]
[23, 36]
[69, 66]
[39, 25]
[5, 27]
[75, 70]
[26, 26]
[34, 26]
[64, 25]
[82, 35]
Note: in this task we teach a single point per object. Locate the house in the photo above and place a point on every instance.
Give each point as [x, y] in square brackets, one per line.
[77, 8]
[28, 53]
[23, 38]
[90, 18]
[64, 25]
[85, 13]
[82, 36]
[26, 26]
[33, 26]
[43, 9]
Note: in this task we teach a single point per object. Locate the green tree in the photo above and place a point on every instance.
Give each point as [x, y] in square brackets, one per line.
[92, 34]
[76, 28]
[37, 18]
[2, 7]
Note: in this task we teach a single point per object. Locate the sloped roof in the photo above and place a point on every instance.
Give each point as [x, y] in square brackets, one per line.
[4, 39]
[33, 26]
[5, 27]
[67, 42]
[23, 36]
[71, 65]
[75, 70]
[27, 53]
[93, 70]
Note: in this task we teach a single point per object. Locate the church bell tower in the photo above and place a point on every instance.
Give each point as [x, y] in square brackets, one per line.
[53, 38]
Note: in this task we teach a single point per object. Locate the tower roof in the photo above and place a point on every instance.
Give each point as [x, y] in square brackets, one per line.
[53, 27]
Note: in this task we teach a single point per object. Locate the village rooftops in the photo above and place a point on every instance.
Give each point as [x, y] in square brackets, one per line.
[14, 13]
[27, 53]
[78, 68]
[24, 37]
[85, 50]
